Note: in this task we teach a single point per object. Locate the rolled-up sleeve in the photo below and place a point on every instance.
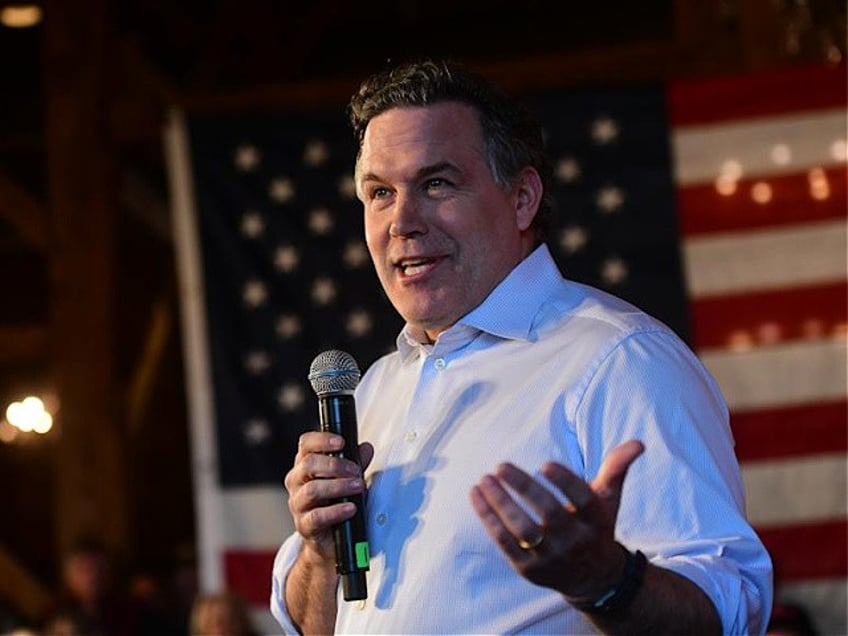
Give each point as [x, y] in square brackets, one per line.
[683, 500]
[283, 563]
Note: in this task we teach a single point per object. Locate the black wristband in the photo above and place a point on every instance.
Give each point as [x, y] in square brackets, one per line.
[620, 595]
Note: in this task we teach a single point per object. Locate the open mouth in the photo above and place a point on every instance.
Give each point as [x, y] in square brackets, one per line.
[416, 266]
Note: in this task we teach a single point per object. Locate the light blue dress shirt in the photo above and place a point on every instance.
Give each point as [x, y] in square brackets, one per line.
[544, 369]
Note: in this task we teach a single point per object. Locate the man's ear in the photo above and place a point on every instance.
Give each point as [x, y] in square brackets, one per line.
[528, 196]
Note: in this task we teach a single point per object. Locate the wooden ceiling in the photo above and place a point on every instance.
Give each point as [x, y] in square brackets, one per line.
[89, 303]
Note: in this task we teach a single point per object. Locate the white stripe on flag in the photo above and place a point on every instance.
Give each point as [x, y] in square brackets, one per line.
[806, 141]
[255, 518]
[264, 622]
[827, 601]
[778, 492]
[779, 375]
[766, 259]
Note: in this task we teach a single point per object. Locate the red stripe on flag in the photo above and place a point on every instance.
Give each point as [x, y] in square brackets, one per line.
[791, 431]
[700, 101]
[766, 317]
[808, 551]
[249, 573]
[702, 209]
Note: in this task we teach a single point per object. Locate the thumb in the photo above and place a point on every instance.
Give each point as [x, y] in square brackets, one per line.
[366, 454]
[610, 478]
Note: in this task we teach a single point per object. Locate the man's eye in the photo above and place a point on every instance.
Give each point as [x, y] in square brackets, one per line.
[379, 193]
[437, 182]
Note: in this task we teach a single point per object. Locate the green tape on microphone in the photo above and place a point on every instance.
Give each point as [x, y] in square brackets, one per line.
[363, 556]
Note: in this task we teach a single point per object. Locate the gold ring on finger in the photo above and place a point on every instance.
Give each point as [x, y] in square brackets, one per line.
[532, 543]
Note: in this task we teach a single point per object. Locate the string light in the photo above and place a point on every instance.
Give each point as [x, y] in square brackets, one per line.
[21, 16]
[29, 416]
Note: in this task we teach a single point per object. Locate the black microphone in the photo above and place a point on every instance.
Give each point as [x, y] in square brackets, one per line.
[334, 375]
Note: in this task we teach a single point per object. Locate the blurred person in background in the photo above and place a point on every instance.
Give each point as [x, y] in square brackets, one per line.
[222, 614]
[162, 600]
[90, 601]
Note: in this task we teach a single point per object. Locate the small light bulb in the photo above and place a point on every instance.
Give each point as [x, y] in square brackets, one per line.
[21, 16]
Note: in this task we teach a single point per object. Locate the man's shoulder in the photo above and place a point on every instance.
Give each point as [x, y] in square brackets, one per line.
[593, 310]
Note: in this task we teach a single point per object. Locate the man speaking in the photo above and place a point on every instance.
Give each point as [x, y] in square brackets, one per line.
[539, 456]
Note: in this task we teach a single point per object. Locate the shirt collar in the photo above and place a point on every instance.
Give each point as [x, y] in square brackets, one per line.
[510, 310]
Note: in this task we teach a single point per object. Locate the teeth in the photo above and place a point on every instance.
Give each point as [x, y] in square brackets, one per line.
[410, 268]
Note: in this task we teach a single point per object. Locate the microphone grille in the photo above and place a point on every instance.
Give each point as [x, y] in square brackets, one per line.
[333, 371]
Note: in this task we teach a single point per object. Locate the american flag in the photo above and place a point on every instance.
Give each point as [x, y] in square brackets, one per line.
[717, 205]
[760, 164]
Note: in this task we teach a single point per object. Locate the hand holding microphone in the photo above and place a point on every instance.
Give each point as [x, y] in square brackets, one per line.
[334, 376]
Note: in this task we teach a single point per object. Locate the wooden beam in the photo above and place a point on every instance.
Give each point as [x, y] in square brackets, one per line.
[706, 36]
[147, 204]
[636, 62]
[641, 61]
[23, 344]
[21, 589]
[144, 374]
[25, 213]
[142, 78]
[90, 461]
[709, 37]
[761, 34]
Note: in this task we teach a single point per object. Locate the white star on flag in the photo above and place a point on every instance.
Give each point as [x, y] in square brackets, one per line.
[323, 291]
[252, 225]
[257, 362]
[614, 271]
[347, 187]
[573, 239]
[288, 326]
[281, 190]
[355, 255]
[321, 221]
[609, 199]
[286, 258]
[246, 158]
[567, 170]
[256, 432]
[290, 397]
[358, 323]
[316, 153]
[254, 293]
[604, 130]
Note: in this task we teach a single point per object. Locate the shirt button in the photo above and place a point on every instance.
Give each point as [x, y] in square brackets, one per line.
[440, 363]
[360, 605]
[411, 436]
[381, 519]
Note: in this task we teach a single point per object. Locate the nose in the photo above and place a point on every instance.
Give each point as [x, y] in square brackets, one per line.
[408, 217]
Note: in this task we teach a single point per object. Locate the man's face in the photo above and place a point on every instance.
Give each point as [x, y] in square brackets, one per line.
[441, 232]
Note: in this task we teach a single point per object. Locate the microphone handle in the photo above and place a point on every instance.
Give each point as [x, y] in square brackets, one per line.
[337, 414]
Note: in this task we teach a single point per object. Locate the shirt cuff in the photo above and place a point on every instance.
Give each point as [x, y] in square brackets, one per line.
[741, 606]
[283, 562]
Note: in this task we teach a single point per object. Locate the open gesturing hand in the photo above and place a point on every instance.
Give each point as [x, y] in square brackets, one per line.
[570, 548]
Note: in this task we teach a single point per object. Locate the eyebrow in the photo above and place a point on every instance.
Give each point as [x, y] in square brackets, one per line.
[423, 172]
